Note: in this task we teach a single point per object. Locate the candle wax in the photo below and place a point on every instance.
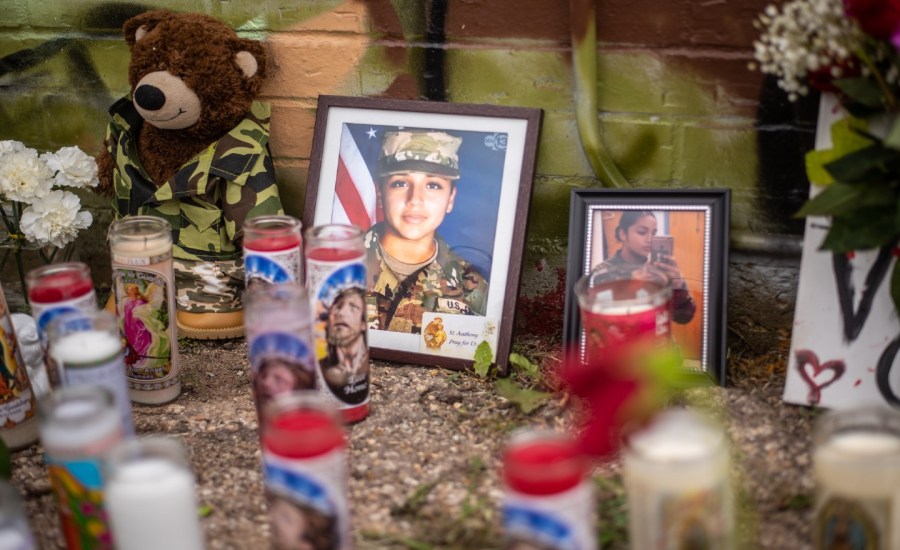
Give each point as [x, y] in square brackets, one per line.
[152, 506]
[273, 244]
[859, 464]
[57, 287]
[325, 254]
[78, 429]
[303, 434]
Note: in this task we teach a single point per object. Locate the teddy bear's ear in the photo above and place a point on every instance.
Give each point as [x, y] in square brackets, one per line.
[137, 27]
[251, 59]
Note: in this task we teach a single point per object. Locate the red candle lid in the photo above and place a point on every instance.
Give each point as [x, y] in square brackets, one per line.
[303, 433]
[543, 465]
[59, 282]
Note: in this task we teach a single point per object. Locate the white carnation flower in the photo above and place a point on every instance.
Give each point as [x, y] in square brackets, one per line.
[24, 177]
[73, 167]
[10, 146]
[55, 219]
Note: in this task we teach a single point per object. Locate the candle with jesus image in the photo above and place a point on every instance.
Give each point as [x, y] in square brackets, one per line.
[144, 287]
[273, 251]
[856, 462]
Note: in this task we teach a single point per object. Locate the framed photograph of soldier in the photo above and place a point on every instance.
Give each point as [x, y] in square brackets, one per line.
[442, 192]
[678, 238]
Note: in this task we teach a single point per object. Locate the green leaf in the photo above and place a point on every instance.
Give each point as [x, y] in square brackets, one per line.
[525, 365]
[862, 90]
[866, 228]
[834, 199]
[845, 138]
[893, 138]
[867, 165]
[895, 285]
[484, 356]
[5, 462]
[205, 511]
[527, 400]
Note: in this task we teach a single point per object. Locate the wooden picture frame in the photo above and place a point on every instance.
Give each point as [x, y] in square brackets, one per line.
[467, 294]
[698, 222]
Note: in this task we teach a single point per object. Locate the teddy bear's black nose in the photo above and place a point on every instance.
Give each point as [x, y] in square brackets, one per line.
[149, 98]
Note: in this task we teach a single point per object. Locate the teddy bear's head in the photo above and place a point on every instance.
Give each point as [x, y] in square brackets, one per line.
[191, 73]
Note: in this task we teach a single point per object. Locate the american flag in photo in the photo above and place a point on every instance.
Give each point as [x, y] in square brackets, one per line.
[354, 193]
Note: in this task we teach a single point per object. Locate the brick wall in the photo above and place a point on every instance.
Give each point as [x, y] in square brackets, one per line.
[678, 107]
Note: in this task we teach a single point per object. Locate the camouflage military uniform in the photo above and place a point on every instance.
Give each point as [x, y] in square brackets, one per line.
[683, 307]
[449, 284]
[205, 202]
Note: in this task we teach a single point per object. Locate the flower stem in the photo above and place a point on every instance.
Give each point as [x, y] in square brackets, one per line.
[879, 79]
[21, 268]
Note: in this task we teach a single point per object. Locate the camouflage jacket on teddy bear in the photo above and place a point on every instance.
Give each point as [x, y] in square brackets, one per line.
[208, 199]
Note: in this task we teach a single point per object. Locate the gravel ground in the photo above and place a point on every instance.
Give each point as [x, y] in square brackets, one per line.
[423, 467]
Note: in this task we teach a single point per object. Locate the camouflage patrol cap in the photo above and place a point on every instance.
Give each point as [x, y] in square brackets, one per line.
[431, 152]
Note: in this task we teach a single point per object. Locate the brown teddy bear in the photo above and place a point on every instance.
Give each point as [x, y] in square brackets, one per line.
[189, 144]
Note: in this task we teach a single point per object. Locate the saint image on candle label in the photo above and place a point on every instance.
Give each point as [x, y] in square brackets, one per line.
[307, 508]
[143, 311]
[852, 524]
[341, 305]
[689, 520]
[280, 363]
[16, 397]
[78, 488]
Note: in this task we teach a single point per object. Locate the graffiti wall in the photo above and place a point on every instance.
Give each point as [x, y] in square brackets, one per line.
[677, 105]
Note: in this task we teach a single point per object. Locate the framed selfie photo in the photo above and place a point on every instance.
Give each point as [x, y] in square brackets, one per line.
[442, 192]
[679, 237]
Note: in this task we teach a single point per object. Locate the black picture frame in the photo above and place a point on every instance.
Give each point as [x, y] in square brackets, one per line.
[586, 218]
[511, 132]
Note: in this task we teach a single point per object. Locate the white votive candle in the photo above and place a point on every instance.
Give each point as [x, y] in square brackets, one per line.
[856, 462]
[150, 497]
[144, 288]
[676, 477]
[87, 350]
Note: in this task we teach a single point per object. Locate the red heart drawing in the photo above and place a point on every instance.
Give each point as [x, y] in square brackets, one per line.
[808, 358]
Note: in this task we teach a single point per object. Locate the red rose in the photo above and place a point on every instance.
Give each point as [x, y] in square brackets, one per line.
[878, 18]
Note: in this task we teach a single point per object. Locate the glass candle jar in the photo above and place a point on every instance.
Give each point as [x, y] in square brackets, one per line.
[856, 462]
[305, 466]
[18, 423]
[78, 426]
[548, 493]
[55, 289]
[336, 278]
[144, 287]
[617, 309]
[676, 478]
[150, 496]
[14, 531]
[278, 326]
[87, 350]
[273, 250]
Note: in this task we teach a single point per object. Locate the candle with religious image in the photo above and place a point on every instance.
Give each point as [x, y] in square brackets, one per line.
[856, 462]
[78, 426]
[144, 288]
[548, 494]
[273, 251]
[14, 531]
[617, 310]
[278, 326]
[18, 423]
[87, 350]
[676, 478]
[150, 496]
[304, 453]
[336, 278]
[56, 289]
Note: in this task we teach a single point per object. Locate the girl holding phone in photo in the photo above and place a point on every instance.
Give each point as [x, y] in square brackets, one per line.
[637, 258]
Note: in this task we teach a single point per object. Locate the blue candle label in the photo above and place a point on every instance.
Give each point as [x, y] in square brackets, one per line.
[17, 402]
[562, 521]
[78, 487]
[307, 501]
[853, 523]
[280, 363]
[44, 313]
[338, 291]
[263, 267]
[142, 304]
